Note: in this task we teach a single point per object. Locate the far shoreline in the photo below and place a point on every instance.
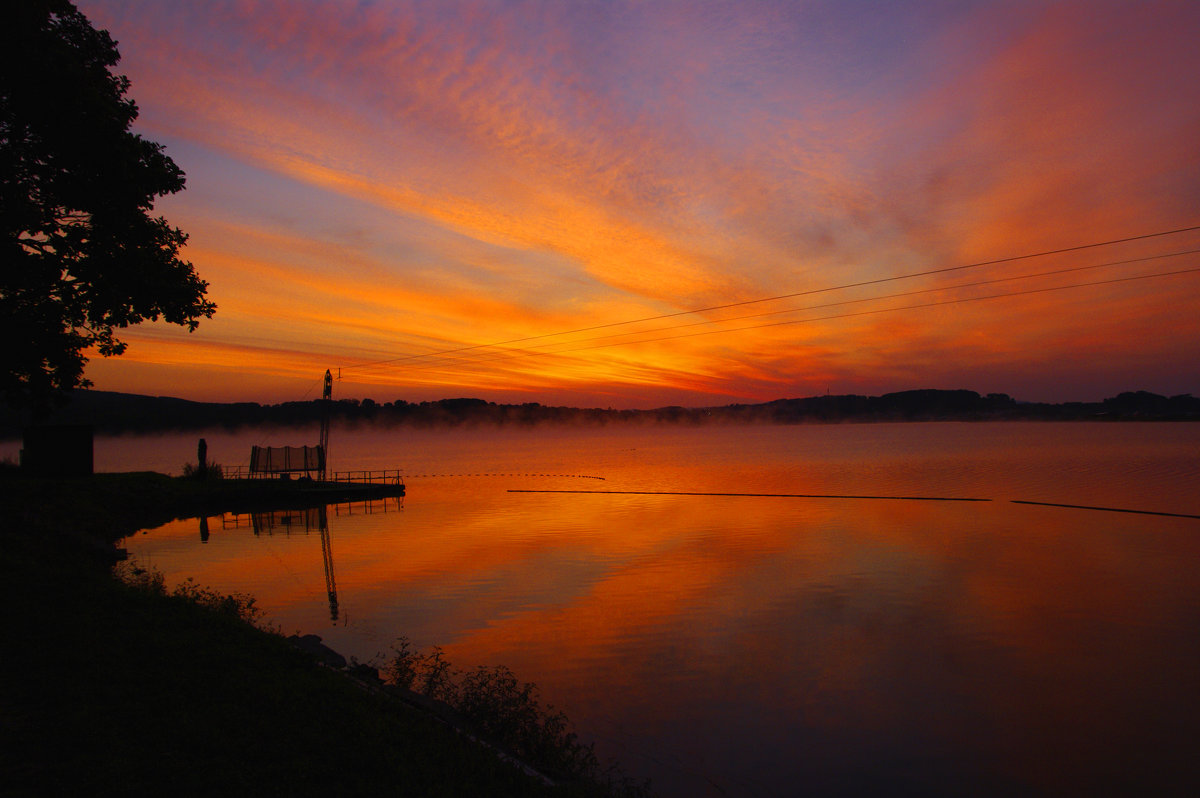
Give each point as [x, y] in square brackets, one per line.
[116, 413]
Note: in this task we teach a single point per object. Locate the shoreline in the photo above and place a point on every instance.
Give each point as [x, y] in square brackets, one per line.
[123, 688]
[115, 413]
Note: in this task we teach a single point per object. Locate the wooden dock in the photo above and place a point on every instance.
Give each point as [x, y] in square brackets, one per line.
[242, 491]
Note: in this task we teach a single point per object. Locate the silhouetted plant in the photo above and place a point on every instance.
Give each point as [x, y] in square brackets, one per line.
[428, 674]
[213, 471]
[404, 665]
[234, 605]
[509, 712]
[437, 679]
[144, 579]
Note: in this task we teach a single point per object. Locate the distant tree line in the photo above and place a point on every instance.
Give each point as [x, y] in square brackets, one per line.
[117, 412]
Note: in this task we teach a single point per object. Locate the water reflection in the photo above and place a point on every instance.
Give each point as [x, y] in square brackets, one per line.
[327, 556]
[744, 645]
[305, 520]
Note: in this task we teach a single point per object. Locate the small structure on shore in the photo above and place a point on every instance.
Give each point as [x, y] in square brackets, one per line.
[283, 461]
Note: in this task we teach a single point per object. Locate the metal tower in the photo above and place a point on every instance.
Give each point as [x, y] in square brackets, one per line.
[326, 401]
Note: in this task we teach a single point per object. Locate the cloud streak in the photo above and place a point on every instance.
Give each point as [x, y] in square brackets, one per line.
[380, 181]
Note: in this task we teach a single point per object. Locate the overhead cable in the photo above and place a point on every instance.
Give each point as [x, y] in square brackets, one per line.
[486, 357]
[960, 300]
[809, 292]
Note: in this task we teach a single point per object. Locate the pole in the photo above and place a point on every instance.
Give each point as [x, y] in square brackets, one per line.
[326, 401]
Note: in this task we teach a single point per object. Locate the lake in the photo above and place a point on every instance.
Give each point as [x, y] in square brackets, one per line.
[865, 631]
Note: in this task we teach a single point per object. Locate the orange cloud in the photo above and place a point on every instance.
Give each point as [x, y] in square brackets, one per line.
[417, 180]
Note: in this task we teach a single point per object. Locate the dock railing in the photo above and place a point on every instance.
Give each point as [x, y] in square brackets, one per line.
[386, 476]
[241, 472]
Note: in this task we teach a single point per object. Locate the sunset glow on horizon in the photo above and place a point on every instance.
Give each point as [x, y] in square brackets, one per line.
[474, 198]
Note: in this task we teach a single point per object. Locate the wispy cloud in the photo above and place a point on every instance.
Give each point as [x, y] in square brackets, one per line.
[388, 180]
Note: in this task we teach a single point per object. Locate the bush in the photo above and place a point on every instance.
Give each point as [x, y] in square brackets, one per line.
[233, 605]
[508, 712]
[193, 471]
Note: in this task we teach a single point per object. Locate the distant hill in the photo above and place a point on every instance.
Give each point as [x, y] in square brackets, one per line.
[121, 412]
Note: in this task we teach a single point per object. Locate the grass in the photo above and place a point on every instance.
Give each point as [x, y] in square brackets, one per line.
[122, 687]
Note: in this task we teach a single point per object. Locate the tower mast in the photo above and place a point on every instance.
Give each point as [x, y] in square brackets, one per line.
[326, 401]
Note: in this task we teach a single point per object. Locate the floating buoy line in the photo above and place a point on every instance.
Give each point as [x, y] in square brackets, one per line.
[497, 474]
[753, 495]
[846, 496]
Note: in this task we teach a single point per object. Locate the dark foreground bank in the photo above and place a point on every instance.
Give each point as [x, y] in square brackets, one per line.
[111, 688]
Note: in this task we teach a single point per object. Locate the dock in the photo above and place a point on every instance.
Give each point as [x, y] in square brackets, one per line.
[241, 491]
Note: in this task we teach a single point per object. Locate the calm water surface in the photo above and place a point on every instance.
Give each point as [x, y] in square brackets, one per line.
[739, 645]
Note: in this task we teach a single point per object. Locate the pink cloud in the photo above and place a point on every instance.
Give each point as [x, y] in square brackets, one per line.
[558, 166]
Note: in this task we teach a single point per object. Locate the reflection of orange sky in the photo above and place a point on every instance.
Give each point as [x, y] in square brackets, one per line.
[400, 183]
[839, 609]
[1008, 565]
[1040, 640]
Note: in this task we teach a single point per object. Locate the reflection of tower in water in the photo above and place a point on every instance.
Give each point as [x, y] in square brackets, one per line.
[327, 555]
[306, 520]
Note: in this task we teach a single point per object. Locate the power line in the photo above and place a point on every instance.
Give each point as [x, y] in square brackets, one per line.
[956, 286]
[926, 273]
[959, 300]
[904, 307]
[502, 355]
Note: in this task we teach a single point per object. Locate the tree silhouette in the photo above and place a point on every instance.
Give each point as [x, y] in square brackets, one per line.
[80, 254]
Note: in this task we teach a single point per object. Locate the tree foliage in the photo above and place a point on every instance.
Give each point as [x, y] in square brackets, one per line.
[81, 256]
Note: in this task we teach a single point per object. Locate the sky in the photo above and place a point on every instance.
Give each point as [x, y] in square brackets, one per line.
[600, 203]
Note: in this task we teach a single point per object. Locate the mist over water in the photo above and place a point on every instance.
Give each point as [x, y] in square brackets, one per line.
[770, 645]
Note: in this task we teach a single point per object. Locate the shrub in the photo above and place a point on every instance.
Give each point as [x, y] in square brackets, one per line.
[193, 471]
[140, 578]
[234, 605]
[403, 667]
[508, 712]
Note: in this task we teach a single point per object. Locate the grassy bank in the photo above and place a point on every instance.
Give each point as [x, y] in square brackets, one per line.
[112, 688]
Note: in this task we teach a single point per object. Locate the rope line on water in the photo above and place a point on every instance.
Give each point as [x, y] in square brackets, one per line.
[757, 495]
[568, 476]
[847, 496]
[1106, 509]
